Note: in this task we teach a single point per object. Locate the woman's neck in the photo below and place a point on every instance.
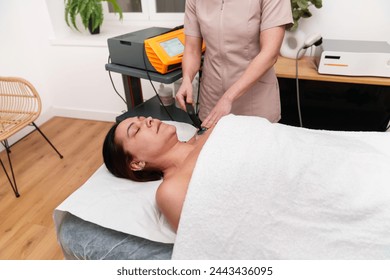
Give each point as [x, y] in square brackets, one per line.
[185, 150]
[175, 158]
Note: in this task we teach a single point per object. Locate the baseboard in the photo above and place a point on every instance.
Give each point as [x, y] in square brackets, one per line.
[84, 114]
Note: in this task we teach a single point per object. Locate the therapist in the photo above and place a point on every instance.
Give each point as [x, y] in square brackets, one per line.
[243, 40]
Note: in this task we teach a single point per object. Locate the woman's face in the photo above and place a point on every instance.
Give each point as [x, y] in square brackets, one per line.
[145, 138]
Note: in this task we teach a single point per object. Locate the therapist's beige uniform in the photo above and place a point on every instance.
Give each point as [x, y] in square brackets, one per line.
[231, 30]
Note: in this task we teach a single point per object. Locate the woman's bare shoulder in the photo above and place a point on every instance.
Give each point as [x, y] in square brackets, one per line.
[171, 193]
[170, 187]
[170, 197]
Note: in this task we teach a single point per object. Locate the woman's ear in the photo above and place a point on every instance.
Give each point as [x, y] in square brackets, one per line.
[137, 165]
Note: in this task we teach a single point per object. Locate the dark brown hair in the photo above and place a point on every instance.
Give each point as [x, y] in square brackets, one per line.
[118, 161]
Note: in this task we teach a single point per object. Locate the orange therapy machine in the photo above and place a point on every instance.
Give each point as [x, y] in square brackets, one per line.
[155, 49]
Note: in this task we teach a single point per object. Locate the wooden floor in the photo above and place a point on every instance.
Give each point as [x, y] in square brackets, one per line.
[44, 180]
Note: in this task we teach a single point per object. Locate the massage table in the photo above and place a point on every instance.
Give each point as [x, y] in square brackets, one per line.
[278, 193]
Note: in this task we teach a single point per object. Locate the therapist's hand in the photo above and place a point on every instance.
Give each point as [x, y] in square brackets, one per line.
[223, 108]
[184, 94]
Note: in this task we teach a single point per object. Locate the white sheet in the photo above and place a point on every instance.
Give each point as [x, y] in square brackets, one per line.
[121, 204]
[269, 191]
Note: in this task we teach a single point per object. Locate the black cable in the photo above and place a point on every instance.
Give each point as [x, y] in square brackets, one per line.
[197, 97]
[150, 80]
[313, 40]
[112, 82]
[297, 87]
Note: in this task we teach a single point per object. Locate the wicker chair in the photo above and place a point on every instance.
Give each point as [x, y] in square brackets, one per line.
[20, 106]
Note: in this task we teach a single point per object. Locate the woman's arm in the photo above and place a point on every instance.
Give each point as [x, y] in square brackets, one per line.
[270, 42]
[190, 66]
[171, 193]
[170, 198]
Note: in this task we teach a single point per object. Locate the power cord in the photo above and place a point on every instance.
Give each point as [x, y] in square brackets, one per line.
[297, 87]
[198, 90]
[315, 40]
[200, 71]
[150, 80]
[112, 82]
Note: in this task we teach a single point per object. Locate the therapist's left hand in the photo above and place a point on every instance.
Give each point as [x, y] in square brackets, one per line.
[223, 108]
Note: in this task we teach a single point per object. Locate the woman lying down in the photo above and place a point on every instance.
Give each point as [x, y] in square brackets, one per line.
[250, 189]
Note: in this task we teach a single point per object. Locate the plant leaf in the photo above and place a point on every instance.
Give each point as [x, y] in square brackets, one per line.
[300, 9]
[317, 3]
[86, 9]
[303, 4]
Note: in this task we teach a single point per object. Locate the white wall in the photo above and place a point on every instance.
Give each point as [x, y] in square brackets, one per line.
[24, 43]
[351, 20]
[68, 67]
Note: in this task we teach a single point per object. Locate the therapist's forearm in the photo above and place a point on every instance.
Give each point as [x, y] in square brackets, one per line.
[191, 59]
[190, 66]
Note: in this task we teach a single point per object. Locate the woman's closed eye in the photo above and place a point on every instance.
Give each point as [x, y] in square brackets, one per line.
[132, 129]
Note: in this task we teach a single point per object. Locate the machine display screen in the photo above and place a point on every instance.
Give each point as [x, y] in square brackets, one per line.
[173, 47]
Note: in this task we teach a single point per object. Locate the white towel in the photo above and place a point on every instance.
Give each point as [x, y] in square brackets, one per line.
[270, 191]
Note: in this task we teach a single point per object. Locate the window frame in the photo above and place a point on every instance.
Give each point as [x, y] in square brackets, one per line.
[148, 14]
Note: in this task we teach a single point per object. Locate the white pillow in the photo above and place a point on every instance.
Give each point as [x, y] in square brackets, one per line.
[122, 204]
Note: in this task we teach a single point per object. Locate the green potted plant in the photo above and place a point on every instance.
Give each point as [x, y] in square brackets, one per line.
[300, 9]
[90, 11]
